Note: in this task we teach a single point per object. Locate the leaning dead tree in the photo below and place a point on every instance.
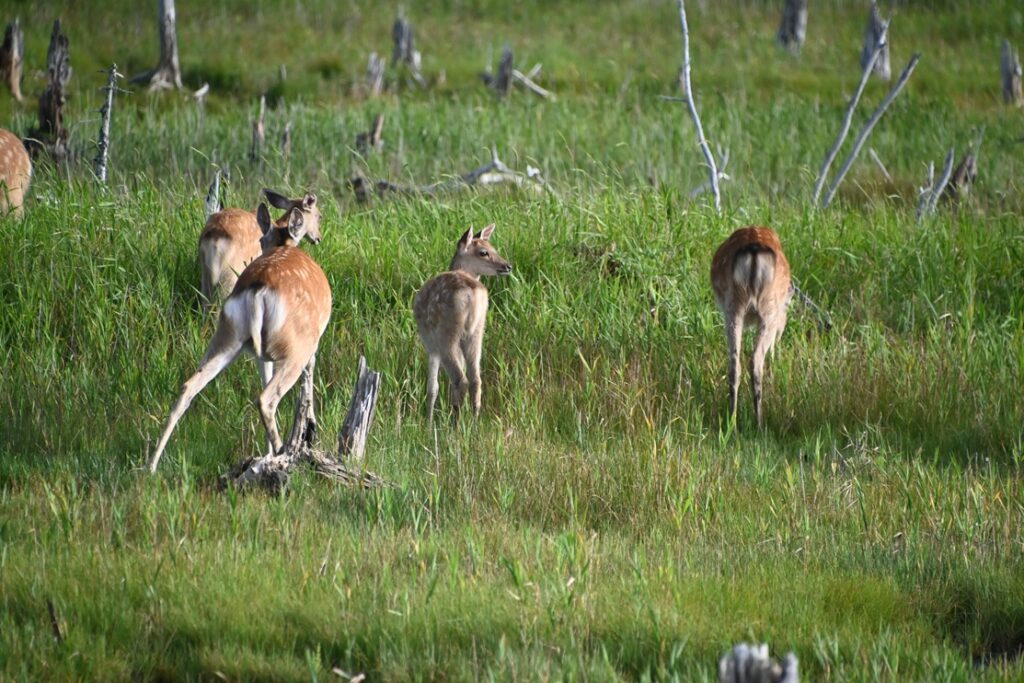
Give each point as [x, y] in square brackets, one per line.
[508, 76]
[12, 53]
[495, 172]
[684, 78]
[273, 471]
[1011, 70]
[874, 36]
[866, 131]
[106, 112]
[752, 664]
[793, 29]
[167, 74]
[51, 136]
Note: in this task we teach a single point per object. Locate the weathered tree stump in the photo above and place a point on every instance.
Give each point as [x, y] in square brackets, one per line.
[213, 203]
[167, 74]
[12, 53]
[375, 66]
[964, 175]
[258, 132]
[106, 113]
[286, 141]
[51, 136]
[933, 189]
[1010, 67]
[875, 36]
[752, 664]
[793, 28]
[356, 427]
[372, 139]
[405, 53]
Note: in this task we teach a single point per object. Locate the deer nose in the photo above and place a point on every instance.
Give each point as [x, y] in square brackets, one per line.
[505, 269]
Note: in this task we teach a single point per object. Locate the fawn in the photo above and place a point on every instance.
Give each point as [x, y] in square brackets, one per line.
[750, 276]
[450, 311]
[231, 240]
[15, 173]
[277, 311]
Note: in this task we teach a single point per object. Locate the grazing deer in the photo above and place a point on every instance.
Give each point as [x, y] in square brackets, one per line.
[231, 240]
[15, 173]
[750, 276]
[277, 312]
[450, 311]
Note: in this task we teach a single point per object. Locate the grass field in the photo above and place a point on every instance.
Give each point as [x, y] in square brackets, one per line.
[601, 520]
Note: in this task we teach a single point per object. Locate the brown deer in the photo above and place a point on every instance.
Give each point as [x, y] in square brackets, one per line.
[15, 173]
[450, 311]
[750, 276]
[231, 240]
[277, 312]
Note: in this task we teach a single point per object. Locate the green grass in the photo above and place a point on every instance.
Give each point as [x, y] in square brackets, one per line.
[601, 520]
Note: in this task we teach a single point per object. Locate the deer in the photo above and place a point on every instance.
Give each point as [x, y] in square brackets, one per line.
[277, 312]
[231, 240]
[751, 280]
[15, 173]
[450, 311]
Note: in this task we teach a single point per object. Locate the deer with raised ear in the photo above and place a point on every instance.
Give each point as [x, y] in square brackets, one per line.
[750, 276]
[450, 311]
[277, 312]
[15, 173]
[231, 240]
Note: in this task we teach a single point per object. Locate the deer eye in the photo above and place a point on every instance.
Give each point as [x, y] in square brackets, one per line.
[483, 253]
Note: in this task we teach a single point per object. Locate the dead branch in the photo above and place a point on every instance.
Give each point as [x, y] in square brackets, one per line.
[752, 664]
[12, 53]
[54, 621]
[106, 113]
[878, 162]
[371, 140]
[722, 175]
[359, 419]
[875, 40]
[688, 91]
[527, 82]
[859, 142]
[848, 116]
[793, 28]
[1010, 67]
[933, 190]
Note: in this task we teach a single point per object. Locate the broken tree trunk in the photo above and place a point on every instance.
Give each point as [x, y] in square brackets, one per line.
[167, 74]
[688, 91]
[359, 419]
[12, 53]
[258, 132]
[51, 136]
[793, 29]
[405, 52]
[375, 74]
[273, 471]
[874, 36]
[863, 136]
[1011, 70]
[752, 664]
[371, 140]
[106, 112]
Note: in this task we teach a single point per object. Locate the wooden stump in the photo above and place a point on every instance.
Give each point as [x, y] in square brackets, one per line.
[875, 35]
[372, 139]
[356, 427]
[258, 132]
[793, 29]
[167, 74]
[752, 664]
[1011, 70]
[375, 66]
[964, 175]
[51, 136]
[12, 53]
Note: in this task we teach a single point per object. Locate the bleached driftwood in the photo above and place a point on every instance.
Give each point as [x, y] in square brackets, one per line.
[874, 38]
[866, 131]
[405, 52]
[213, 202]
[752, 664]
[258, 131]
[359, 419]
[375, 66]
[688, 92]
[494, 172]
[106, 112]
[793, 28]
[932, 190]
[1010, 67]
[51, 136]
[12, 53]
[848, 116]
[722, 175]
[372, 139]
[167, 74]
[273, 471]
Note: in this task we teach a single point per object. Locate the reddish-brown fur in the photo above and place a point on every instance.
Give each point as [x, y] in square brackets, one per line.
[450, 311]
[277, 311]
[15, 173]
[751, 279]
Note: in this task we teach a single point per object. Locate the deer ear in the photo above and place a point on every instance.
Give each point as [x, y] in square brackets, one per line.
[486, 233]
[465, 240]
[295, 225]
[309, 201]
[263, 218]
[278, 201]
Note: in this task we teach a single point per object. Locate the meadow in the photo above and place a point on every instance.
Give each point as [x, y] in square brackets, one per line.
[602, 520]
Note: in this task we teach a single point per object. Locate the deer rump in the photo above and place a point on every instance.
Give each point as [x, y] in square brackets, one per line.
[753, 268]
[260, 312]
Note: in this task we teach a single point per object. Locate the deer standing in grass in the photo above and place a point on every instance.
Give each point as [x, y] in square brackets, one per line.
[15, 173]
[231, 240]
[277, 312]
[750, 276]
[450, 311]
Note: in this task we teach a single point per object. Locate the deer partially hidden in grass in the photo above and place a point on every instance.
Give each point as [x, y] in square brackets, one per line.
[450, 311]
[15, 173]
[750, 276]
[231, 240]
[277, 312]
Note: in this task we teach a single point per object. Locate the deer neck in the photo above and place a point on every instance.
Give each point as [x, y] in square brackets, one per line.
[456, 264]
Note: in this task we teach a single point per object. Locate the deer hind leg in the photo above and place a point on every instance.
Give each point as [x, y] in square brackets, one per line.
[766, 335]
[286, 373]
[453, 362]
[266, 370]
[433, 366]
[221, 353]
[734, 340]
[471, 350]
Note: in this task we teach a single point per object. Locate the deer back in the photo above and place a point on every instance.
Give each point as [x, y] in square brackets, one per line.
[15, 172]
